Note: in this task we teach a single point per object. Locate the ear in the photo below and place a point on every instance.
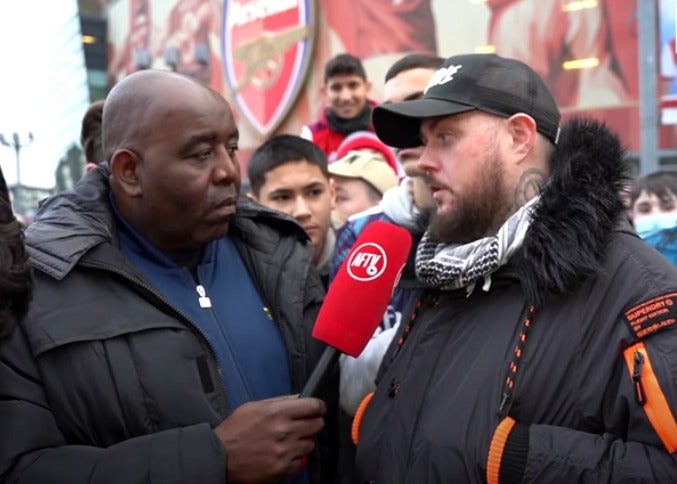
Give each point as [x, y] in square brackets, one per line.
[522, 131]
[367, 85]
[124, 168]
[251, 196]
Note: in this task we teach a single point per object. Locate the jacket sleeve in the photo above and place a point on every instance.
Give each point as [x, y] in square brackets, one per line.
[33, 449]
[639, 445]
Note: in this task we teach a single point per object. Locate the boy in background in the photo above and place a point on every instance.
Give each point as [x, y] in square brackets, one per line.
[348, 109]
[289, 174]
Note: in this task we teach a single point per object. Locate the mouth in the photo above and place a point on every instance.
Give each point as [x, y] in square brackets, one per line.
[347, 107]
[226, 207]
[435, 190]
[311, 229]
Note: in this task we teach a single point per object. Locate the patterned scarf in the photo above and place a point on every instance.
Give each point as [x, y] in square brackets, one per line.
[453, 266]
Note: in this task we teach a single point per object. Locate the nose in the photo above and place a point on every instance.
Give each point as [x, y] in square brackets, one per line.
[427, 161]
[301, 210]
[345, 94]
[227, 167]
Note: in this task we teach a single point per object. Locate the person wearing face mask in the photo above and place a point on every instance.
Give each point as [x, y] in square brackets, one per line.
[653, 201]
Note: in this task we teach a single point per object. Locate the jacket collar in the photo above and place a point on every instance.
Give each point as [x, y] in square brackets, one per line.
[69, 224]
[580, 209]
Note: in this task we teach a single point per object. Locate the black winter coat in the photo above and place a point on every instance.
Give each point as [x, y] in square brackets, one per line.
[565, 371]
[106, 382]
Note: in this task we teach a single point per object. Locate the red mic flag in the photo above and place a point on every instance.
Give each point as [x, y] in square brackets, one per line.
[362, 288]
[358, 296]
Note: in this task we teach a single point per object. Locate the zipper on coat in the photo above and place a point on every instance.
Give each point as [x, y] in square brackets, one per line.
[637, 378]
[149, 289]
[202, 298]
[206, 304]
[511, 372]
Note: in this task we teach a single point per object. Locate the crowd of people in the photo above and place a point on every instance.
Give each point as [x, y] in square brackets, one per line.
[157, 319]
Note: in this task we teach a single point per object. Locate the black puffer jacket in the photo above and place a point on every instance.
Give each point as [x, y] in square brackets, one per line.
[564, 371]
[106, 382]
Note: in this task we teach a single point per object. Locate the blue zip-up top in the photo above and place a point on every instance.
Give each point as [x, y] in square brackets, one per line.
[226, 307]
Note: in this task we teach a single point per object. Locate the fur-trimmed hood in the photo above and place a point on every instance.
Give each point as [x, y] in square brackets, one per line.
[579, 209]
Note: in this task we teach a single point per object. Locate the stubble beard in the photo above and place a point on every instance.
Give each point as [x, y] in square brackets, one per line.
[477, 213]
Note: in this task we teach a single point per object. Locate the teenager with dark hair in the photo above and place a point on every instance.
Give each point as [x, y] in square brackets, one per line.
[348, 109]
[289, 174]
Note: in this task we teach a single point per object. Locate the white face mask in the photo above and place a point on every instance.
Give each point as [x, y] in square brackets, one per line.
[651, 225]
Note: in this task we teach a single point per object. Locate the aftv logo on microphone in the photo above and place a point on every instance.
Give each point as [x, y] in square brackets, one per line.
[367, 262]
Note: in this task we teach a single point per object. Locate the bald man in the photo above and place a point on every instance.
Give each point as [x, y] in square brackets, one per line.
[171, 319]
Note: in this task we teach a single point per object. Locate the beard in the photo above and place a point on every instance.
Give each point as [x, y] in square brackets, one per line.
[477, 213]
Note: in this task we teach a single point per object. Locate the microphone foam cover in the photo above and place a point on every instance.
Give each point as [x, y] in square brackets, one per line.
[359, 294]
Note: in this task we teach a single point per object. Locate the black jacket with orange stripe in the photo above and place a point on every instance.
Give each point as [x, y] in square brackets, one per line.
[564, 371]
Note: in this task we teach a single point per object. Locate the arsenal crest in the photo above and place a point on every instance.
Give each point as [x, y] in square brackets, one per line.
[267, 46]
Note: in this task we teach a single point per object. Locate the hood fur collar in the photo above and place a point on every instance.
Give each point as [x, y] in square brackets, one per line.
[580, 206]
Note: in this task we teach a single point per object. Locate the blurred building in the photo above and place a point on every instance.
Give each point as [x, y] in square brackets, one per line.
[94, 41]
[43, 97]
[267, 56]
[93, 38]
[94, 28]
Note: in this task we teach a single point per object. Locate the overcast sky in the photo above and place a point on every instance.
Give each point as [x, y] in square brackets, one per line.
[43, 86]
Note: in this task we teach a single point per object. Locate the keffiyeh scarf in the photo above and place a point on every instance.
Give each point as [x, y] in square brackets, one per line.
[454, 266]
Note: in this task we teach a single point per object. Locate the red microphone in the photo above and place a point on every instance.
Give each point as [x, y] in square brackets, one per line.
[358, 296]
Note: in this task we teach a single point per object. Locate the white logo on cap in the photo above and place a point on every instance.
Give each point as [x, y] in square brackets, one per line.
[442, 76]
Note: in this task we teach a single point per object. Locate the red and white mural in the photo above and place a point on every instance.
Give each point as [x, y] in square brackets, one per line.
[267, 56]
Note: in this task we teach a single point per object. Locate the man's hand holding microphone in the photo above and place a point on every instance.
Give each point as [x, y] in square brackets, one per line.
[267, 440]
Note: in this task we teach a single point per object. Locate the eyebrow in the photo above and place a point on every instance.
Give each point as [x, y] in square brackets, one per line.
[312, 185]
[434, 123]
[286, 190]
[197, 139]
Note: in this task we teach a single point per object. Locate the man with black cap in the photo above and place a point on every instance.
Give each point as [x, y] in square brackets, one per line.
[543, 349]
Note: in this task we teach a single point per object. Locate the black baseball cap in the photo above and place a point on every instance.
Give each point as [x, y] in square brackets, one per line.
[487, 82]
